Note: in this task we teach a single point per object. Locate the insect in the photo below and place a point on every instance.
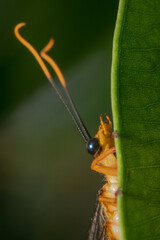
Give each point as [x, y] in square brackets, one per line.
[105, 223]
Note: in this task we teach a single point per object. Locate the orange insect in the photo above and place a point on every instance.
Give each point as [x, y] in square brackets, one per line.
[106, 219]
[105, 224]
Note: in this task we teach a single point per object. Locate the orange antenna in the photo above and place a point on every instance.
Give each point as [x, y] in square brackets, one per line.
[79, 124]
[52, 62]
[31, 49]
[59, 74]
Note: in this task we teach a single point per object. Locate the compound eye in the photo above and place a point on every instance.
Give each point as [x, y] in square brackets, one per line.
[93, 146]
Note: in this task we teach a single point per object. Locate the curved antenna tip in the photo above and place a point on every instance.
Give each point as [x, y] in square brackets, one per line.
[31, 49]
[19, 25]
[48, 46]
[52, 40]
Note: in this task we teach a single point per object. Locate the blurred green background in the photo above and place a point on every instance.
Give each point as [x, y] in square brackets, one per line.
[47, 190]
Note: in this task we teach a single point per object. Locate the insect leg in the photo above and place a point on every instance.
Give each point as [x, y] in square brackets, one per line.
[119, 192]
[96, 166]
[108, 200]
[115, 134]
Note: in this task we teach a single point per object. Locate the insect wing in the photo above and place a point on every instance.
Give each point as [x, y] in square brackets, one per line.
[98, 226]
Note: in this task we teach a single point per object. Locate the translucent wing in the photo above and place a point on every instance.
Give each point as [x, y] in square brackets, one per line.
[98, 226]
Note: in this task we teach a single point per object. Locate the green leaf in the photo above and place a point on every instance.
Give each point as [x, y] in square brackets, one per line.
[136, 116]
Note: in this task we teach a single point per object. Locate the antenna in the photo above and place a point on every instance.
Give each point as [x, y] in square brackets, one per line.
[78, 122]
[60, 76]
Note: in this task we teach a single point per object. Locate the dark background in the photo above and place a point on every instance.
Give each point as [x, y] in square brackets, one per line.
[47, 190]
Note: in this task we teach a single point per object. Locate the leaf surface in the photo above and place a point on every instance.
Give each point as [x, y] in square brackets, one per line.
[136, 116]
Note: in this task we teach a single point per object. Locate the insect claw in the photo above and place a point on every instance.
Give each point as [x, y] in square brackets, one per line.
[119, 192]
[115, 134]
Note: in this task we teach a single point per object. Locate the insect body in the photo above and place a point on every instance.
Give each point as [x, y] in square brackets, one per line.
[106, 163]
[106, 221]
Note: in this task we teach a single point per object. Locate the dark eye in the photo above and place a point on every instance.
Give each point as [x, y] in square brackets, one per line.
[93, 146]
